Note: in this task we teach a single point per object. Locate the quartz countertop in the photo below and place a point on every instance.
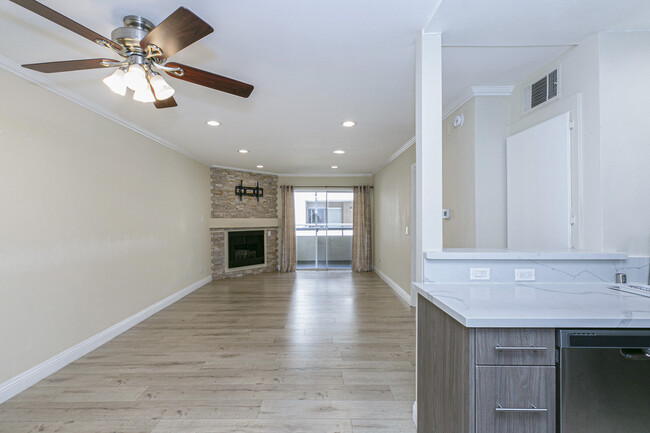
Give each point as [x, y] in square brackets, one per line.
[508, 254]
[538, 305]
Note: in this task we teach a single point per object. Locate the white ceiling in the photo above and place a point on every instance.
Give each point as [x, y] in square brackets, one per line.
[313, 64]
[500, 42]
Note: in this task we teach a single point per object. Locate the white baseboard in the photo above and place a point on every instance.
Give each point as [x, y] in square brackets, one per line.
[396, 287]
[35, 374]
[415, 413]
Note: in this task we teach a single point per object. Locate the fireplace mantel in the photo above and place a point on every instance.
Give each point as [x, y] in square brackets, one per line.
[242, 223]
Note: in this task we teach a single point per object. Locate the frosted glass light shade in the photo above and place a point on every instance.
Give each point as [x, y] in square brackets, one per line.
[161, 89]
[144, 95]
[115, 82]
[136, 78]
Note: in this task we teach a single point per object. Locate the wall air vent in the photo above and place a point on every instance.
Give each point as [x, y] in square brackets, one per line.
[541, 91]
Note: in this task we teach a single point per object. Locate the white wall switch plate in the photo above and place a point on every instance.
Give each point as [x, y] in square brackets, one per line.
[524, 274]
[446, 214]
[479, 273]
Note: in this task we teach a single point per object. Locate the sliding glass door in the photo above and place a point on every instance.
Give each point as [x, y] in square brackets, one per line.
[323, 229]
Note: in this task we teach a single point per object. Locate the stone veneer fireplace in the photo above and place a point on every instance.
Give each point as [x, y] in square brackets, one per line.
[230, 216]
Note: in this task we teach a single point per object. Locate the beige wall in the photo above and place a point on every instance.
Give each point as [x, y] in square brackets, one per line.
[490, 135]
[392, 214]
[458, 179]
[98, 223]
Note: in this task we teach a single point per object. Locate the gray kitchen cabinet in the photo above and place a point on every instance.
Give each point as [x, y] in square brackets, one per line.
[483, 380]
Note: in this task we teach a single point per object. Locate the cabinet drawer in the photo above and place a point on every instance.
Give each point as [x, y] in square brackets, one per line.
[517, 346]
[515, 399]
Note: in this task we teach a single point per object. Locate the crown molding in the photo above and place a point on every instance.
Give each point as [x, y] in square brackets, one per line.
[397, 153]
[40, 80]
[492, 90]
[476, 91]
[326, 175]
[225, 167]
[292, 174]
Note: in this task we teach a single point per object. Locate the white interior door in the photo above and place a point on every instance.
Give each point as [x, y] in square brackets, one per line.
[539, 186]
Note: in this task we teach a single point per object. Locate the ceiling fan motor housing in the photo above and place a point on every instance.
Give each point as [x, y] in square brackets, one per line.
[135, 29]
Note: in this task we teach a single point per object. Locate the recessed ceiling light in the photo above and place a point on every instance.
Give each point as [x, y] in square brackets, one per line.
[348, 124]
[242, 151]
[335, 166]
[339, 152]
[212, 123]
[260, 166]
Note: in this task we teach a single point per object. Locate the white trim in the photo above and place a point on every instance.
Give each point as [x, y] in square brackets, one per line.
[39, 372]
[492, 90]
[415, 413]
[325, 175]
[224, 167]
[457, 103]
[397, 153]
[40, 80]
[476, 91]
[393, 285]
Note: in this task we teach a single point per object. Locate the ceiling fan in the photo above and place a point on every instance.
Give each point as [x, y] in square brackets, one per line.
[145, 49]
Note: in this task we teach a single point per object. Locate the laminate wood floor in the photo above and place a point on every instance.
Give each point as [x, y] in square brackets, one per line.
[319, 352]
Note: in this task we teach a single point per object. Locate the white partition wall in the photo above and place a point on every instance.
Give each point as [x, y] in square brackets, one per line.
[539, 186]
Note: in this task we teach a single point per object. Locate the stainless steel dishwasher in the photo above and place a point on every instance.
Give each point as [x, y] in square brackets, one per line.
[603, 380]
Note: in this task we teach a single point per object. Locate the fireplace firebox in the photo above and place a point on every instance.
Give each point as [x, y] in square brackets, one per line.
[245, 248]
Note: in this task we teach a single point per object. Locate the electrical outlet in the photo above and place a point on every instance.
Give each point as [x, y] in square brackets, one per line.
[524, 274]
[202, 269]
[479, 273]
[187, 275]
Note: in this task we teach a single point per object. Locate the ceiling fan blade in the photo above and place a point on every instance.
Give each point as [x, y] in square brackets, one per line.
[179, 30]
[72, 65]
[213, 81]
[165, 103]
[62, 20]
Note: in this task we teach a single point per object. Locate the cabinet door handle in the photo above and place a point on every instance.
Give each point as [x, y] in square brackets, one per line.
[531, 409]
[500, 347]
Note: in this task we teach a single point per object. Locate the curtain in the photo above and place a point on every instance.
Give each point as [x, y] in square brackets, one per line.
[361, 236]
[288, 227]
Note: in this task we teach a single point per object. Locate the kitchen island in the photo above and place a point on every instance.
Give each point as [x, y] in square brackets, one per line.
[486, 352]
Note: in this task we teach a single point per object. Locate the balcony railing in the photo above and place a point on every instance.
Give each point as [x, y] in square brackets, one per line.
[315, 242]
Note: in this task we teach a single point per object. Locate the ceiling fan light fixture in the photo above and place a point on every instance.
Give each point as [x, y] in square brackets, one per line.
[144, 95]
[161, 89]
[116, 83]
[136, 78]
